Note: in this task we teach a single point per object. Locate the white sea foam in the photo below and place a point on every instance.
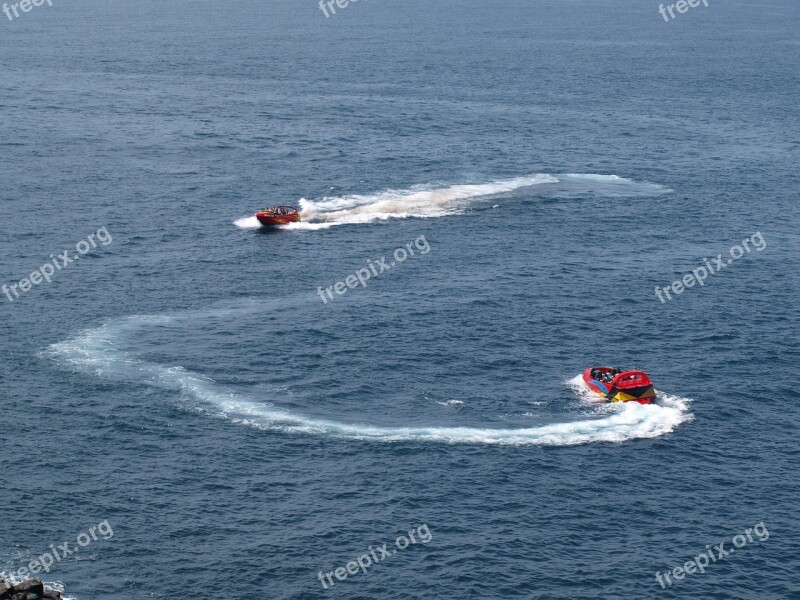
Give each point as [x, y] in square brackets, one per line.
[615, 184]
[50, 585]
[419, 202]
[450, 403]
[247, 223]
[98, 351]
[598, 177]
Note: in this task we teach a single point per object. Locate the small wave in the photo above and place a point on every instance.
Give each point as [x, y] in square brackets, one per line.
[98, 351]
[599, 177]
[49, 585]
[247, 223]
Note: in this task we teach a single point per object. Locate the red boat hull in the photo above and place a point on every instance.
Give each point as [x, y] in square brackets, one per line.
[270, 220]
[627, 386]
[278, 215]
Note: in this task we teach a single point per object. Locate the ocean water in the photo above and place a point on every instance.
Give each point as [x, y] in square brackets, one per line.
[548, 163]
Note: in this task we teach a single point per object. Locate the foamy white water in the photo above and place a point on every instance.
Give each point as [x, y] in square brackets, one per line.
[617, 184]
[420, 202]
[98, 351]
[12, 578]
[247, 223]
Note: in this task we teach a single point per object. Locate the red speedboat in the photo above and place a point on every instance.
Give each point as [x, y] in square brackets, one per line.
[278, 215]
[616, 385]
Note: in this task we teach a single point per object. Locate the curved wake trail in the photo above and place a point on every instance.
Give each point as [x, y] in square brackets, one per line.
[428, 202]
[97, 351]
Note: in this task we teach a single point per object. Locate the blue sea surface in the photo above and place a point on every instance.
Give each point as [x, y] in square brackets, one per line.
[544, 165]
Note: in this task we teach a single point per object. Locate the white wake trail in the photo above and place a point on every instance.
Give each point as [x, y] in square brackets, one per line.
[420, 202]
[97, 351]
[426, 201]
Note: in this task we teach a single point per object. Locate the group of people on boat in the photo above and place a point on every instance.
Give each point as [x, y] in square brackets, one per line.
[605, 375]
[280, 210]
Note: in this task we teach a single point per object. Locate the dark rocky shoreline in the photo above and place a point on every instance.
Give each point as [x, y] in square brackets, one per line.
[32, 589]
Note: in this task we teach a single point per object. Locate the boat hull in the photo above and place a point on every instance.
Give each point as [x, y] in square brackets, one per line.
[642, 395]
[629, 386]
[272, 220]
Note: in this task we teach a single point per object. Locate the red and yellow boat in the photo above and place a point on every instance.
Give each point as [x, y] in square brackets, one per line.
[616, 385]
[278, 215]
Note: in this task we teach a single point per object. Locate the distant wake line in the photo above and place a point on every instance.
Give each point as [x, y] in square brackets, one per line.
[97, 351]
[429, 202]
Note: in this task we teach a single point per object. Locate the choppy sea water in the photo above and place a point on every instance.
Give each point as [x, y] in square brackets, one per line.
[187, 382]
